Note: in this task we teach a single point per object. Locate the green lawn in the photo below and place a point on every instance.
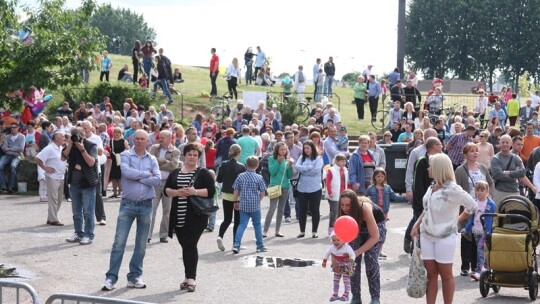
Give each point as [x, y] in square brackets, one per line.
[197, 81]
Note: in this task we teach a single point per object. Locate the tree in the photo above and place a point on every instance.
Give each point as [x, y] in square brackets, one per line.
[61, 43]
[350, 78]
[124, 24]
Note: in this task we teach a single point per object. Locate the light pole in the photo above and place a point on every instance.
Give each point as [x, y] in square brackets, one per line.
[476, 63]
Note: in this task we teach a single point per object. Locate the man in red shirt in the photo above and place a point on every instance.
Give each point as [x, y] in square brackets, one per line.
[214, 70]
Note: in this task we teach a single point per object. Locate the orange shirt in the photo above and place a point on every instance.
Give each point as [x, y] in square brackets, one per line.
[529, 143]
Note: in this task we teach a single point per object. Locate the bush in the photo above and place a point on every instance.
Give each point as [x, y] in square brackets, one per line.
[117, 93]
[290, 111]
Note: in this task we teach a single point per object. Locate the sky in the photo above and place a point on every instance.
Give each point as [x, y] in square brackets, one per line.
[356, 33]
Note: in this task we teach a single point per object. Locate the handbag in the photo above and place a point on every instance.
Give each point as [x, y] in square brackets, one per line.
[275, 191]
[417, 278]
[202, 205]
[294, 185]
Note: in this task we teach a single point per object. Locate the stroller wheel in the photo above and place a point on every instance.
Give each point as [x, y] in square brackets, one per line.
[533, 285]
[484, 283]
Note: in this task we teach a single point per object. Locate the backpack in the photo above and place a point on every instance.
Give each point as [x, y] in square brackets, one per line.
[265, 172]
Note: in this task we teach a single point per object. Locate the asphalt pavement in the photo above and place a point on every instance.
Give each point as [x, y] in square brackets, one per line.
[51, 265]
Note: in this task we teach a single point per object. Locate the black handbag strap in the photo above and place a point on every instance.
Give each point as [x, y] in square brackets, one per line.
[194, 177]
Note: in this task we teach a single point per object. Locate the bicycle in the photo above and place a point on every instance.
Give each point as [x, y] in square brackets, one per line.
[222, 109]
[381, 117]
[304, 107]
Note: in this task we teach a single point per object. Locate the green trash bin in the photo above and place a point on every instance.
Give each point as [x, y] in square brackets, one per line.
[396, 165]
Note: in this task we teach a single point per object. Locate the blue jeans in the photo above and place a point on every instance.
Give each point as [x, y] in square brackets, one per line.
[83, 206]
[164, 86]
[212, 220]
[129, 212]
[328, 85]
[256, 221]
[249, 73]
[147, 66]
[292, 201]
[14, 162]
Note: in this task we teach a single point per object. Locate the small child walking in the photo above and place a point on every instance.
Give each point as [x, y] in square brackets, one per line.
[343, 255]
[250, 188]
[336, 181]
[382, 194]
[474, 225]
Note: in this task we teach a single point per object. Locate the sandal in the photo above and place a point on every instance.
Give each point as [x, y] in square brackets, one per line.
[301, 235]
[191, 288]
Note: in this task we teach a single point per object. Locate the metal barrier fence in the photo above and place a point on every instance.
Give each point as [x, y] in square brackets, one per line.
[18, 286]
[88, 299]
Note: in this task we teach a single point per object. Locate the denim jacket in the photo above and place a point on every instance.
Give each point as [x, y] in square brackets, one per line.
[388, 196]
[356, 170]
[310, 174]
[488, 220]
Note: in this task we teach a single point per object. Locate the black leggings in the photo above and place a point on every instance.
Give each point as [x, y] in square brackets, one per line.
[228, 211]
[311, 201]
[359, 107]
[231, 84]
[188, 237]
[135, 71]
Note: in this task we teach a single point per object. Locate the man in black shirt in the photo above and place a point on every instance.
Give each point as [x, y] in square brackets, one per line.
[439, 127]
[411, 94]
[396, 131]
[330, 71]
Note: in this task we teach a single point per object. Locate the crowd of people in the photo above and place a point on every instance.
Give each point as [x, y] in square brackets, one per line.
[150, 160]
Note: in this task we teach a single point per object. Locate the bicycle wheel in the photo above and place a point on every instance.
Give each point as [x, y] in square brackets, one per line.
[218, 112]
[381, 121]
[305, 112]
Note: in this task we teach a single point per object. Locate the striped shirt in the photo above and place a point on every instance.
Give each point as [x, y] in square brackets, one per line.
[250, 185]
[183, 180]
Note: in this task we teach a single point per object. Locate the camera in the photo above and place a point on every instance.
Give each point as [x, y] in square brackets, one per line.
[76, 138]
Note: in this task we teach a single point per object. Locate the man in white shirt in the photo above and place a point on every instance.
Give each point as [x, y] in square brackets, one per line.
[535, 99]
[331, 115]
[49, 159]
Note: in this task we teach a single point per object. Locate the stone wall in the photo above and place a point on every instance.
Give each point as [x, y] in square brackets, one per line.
[27, 172]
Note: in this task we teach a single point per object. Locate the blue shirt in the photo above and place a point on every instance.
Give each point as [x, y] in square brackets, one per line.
[501, 114]
[259, 60]
[393, 77]
[105, 64]
[374, 89]
[310, 174]
[250, 185]
[139, 176]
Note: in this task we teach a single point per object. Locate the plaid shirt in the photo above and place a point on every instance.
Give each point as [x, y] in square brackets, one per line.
[457, 143]
[250, 185]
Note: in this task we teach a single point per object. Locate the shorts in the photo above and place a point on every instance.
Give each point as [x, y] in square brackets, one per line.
[440, 250]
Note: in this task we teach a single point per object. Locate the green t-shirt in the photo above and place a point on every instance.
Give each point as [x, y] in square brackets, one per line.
[248, 145]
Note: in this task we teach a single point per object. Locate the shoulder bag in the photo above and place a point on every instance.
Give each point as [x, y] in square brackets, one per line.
[275, 191]
[294, 185]
[202, 205]
[417, 278]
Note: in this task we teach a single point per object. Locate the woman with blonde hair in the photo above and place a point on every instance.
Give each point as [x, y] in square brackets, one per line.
[409, 114]
[178, 134]
[438, 226]
[234, 77]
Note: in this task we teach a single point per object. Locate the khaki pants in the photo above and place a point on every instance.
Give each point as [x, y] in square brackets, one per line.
[499, 196]
[166, 207]
[55, 191]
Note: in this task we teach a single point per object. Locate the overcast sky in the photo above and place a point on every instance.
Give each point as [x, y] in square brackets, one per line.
[356, 33]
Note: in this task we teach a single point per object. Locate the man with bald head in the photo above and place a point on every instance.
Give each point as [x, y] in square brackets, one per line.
[102, 159]
[168, 158]
[506, 170]
[140, 174]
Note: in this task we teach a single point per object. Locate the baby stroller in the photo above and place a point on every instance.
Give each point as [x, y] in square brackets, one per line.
[511, 248]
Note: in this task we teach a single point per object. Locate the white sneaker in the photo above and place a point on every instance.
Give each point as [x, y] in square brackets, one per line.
[85, 241]
[108, 285]
[137, 283]
[287, 220]
[220, 244]
[73, 239]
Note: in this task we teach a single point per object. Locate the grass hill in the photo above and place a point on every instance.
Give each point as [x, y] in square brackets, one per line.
[197, 80]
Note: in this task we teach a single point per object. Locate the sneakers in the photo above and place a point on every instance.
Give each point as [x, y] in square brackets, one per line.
[108, 285]
[262, 249]
[137, 283]
[102, 223]
[170, 101]
[220, 244]
[73, 239]
[85, 241]
[464, 273]
[475, 276]
[209, 229]
[288, 219]
[236, 250]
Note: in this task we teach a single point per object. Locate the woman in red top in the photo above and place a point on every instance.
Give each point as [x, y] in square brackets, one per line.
[210, 154]
[148, 52]
[209, 123]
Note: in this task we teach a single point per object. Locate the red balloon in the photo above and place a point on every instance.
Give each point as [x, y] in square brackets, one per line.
[346, 228]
